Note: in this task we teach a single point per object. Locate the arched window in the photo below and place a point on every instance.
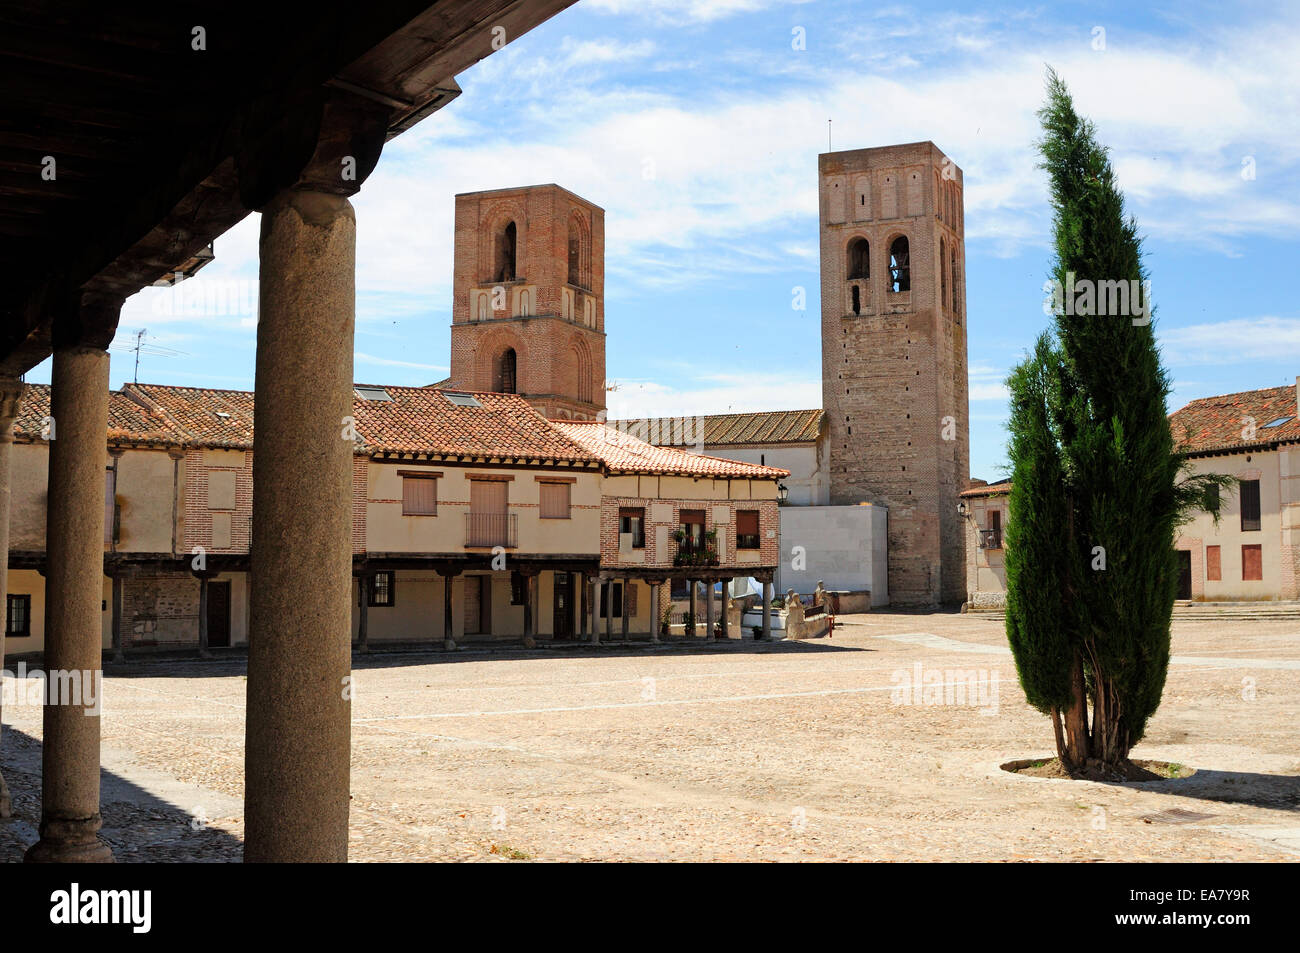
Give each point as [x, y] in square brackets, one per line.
[857, 299]
[575, 253]
[943, 273]
[507, 381]
[900, 273]
[506, 253]
[956, 295]
[859, 262]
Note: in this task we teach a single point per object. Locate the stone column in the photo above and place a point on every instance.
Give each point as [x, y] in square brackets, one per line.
[74, 532]
[708, 609]
[298, 732]
[448, 617]
[609, 610]
[11, 395]
[530, 624]
[594, 585]
[363, 614]
[654, 609]
[583, 611]
[726, 605]
[203, 615]
[627, 597]
[690, 588]
[767, 611]
[118, 583]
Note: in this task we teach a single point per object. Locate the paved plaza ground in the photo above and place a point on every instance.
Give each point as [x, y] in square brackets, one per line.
[743, 751]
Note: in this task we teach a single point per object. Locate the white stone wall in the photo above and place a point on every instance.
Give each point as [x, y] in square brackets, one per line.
[843, 546]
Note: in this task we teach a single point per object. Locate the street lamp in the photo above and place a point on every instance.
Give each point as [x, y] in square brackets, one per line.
[782, 493]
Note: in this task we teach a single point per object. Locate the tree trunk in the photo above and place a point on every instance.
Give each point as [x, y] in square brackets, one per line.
[1076, 719]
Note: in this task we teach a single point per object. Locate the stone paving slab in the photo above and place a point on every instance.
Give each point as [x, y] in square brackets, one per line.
[780, 751]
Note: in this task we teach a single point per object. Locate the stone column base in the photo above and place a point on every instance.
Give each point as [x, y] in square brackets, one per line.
[70, 842]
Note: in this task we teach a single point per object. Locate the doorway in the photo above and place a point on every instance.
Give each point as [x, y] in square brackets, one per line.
[219, 614]
[1184, 574]
[562, 625]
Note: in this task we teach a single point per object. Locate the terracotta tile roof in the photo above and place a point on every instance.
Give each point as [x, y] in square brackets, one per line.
[208, 417]
[996, 488]
[128, 421]
[424, 420]
[1221, 423]
[625, 453]
[767, 427]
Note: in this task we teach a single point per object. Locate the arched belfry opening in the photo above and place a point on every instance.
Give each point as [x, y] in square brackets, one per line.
[579, 271]
[900, 271]
[507, 248]
[859, 259]
[507, 376]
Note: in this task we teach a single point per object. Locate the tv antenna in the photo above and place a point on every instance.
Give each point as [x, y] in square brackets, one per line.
[140, 347]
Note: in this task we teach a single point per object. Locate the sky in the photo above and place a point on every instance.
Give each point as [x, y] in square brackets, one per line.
[696, 125]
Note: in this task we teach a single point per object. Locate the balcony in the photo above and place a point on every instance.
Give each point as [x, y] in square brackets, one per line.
[990, 539]
[492, 529]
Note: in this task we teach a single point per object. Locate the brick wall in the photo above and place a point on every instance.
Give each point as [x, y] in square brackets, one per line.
[198, 526]
[161, 609]
[657, 557]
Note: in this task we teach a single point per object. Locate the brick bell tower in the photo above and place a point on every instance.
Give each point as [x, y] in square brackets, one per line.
[894, 371]
[528, 314]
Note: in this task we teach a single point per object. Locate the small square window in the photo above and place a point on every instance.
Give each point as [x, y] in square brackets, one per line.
[381, 589]
[19, 618]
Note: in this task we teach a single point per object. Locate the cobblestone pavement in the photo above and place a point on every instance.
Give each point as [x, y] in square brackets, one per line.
[784, 751]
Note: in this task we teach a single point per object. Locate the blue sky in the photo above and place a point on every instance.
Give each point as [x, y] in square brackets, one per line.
[696, 125]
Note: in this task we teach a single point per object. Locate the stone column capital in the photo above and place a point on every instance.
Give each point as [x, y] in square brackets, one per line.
[11, 400]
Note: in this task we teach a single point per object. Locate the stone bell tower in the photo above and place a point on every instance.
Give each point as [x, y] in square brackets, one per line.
[528, 315]
[894, 371]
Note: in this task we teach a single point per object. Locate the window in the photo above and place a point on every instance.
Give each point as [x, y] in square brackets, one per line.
[462, 400]
[1277, 423]
[1252, 562]
[857, 299]
[554, 500]
[419, 495]
[956, 282]
[1249, 505]
[518, 589]
[1213, 564]
[370, 393]
[859, 263]
[507, 377]
[747, 529]
[505, 270]
[19, 618]
[943, 273]
[900, 272]
[995, 528]
[632, 521]
[381, 589]
[693, 527]
[611, 601]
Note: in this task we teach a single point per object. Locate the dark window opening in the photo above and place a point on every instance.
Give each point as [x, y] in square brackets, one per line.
[747, 536]
[1249, 505]
[857, 300]
[859, 259]
[633, 521]
[693, 527]
[18, 620]
[900, 272]
[611, 601]
[506, 257]
[507, 376]
[381, 590]
[518, 590]
[575, 254]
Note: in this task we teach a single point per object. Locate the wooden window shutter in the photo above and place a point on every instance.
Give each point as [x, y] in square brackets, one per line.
[746, 522]
[419, 496]
[554, 500]
[1213, 564]
[1252, 562]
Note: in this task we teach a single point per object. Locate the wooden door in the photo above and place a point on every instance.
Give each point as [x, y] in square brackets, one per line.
[562, 597]
[1184, 574]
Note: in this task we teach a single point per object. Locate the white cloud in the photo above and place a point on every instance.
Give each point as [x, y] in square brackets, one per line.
[1268, 339]
[707, 393]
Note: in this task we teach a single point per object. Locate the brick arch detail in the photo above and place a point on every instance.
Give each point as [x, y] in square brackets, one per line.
[493, 221]
[489, 349]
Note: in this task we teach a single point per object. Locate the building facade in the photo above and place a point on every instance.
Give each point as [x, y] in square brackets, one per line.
[1252, 554]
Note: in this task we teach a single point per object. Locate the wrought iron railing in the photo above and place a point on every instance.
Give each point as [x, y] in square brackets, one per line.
[492, 529]
[990, 539]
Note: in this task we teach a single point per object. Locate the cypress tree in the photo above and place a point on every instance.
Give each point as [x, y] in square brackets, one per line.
[1098, 488]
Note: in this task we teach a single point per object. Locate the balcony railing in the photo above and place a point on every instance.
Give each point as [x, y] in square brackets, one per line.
[990, 539]
[492, 529]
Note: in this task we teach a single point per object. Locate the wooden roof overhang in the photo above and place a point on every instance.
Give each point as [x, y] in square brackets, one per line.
[125, 150]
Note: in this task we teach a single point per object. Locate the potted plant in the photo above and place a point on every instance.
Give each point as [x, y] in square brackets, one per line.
[688, 623]
[666, 622]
